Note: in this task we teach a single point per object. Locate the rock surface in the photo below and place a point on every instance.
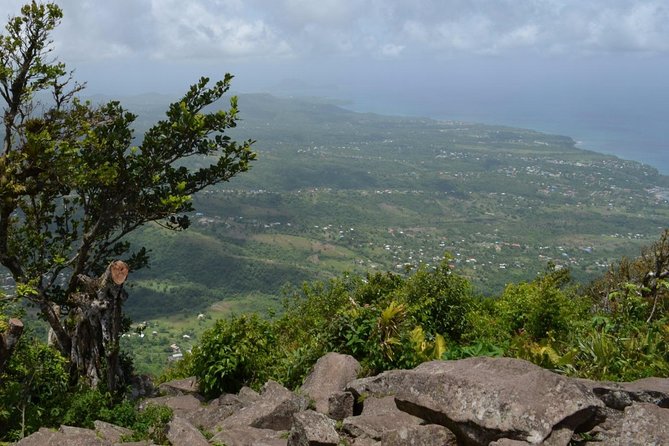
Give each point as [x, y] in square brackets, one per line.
[645, 424]
[476, 401]
[330, 374]
[430, 435]
[181, 431]
[311, 428]
[273, 410]
[486, 399]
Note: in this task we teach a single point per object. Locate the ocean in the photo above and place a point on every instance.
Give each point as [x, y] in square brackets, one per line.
[637, 135]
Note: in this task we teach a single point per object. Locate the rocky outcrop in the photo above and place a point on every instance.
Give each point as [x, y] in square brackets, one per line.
[645, 424]
[330, 375]
[312, 428]
[620, 395]
[476, 401]
[486, 399]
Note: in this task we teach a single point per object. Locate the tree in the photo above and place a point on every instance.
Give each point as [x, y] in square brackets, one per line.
[73, 185]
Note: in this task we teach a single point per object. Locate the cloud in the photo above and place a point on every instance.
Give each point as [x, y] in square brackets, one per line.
[293, 29]
[198, 29]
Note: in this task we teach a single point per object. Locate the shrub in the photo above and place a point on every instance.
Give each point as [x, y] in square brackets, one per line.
[33, 387]
[234, 353]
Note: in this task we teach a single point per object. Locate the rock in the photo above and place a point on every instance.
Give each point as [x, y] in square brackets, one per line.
[330, 374]
[340, 405]
[78, 436]
[181, 431]
[229, 400]
[486, 399]
[274, 410]
[374, 426]
[312, 428]
[186, 386]
[43, 437]
[379, 415]
[74, 436]
[608, 432]
[430, 435]
[645, 424]
[182, 405]
[507, 442]
[247, 395]
[250, 436]
[620, 395]
[111, 432]
[379, 406]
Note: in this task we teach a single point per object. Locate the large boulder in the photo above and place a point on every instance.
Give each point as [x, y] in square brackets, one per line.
[645, 425]
[181, 431]
[620, 395]
[66, 435]
[273, 410]
[379, 416]
[330, 375]
[186, 386]
[311, 428]
[484, 399]
[250, 436]
[111, 432]
[430, 435]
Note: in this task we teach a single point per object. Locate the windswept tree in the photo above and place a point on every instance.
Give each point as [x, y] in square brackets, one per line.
[73, 185]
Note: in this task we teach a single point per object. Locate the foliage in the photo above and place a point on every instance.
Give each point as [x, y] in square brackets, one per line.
[440, 300]
[235, 353]
[34, 389]
[87, 405]
[545, 307]
[609, 351]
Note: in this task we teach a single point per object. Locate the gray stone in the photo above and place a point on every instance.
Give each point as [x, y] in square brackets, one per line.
[186, 386]
[340, 405]
[620, 395]
[508, 442]
[608, 432]
[485, 399]
[645, 424]
[181, 431]
[185, 406]
[247, 395]
[364, 441]
[374, 426]
[379, 405]
[110, 431]
[312, 428]
[250, 436]
[330, 374]
[274, 410]
[43, 437]
[430, 435]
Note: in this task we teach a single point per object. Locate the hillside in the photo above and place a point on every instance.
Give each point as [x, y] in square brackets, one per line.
[333, 191]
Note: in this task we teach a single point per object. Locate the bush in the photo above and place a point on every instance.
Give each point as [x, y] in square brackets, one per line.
[235, 353]
[34, 387]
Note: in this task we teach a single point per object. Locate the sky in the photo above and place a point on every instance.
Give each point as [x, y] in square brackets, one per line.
[594, 69]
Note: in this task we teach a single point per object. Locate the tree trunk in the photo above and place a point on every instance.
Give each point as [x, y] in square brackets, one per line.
[8, 341]
[95, 340]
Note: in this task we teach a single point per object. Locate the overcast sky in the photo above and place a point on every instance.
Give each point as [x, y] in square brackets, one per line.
[437, 57]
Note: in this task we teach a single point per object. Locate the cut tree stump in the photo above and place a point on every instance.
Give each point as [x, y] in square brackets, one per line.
[98, 329]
